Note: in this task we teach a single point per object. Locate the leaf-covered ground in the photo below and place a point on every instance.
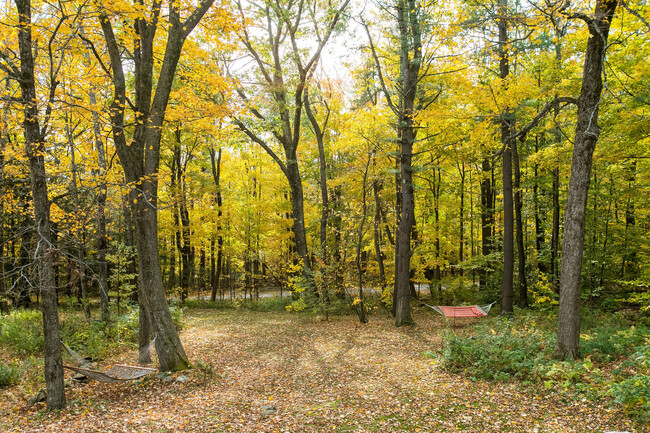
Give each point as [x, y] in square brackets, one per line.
[319, 376]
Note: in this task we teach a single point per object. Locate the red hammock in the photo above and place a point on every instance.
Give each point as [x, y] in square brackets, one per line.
[466, 311]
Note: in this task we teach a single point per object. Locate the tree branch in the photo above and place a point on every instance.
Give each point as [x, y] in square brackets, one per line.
[521, 135]
[243, 128]
[389, 100]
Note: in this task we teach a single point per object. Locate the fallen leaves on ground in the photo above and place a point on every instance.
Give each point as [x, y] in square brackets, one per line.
[335, 376]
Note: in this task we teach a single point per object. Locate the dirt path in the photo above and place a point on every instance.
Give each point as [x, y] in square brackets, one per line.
[319, 376]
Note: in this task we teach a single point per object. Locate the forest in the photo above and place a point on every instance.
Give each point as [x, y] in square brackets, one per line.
[177, 177]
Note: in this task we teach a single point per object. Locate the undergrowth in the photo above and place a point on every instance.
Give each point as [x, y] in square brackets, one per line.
[21, 339]
[262, 304]
[615, 358]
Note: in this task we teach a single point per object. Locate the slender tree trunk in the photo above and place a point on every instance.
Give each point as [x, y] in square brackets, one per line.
[555, 230]
[507, 293]
[80, 265]
[297, 208]
[102, 239]
[4, 295]
[487, 215]
[45, 250]
[216, 176]
[586, 136]
[410, 62]
[461, 211]
[171, 280]
[521, 251]
[555, 233]
[360, 306]
[377, 235]
[337, 227]
[322, 164]
[140, 158]
[629, 265]
[540, 240]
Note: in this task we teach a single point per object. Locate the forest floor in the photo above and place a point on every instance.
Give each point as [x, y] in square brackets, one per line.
[319, 376]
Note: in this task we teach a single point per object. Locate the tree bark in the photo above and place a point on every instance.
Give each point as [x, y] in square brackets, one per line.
[519, 220]
[507, 115]
[555, 231]
[461, 218]
[45, 250]
[102, 239]
[79, 265]
[140, 159]
[377, 235]
[540, 239]
[319, 133]
[586, 136]
[215, 160]
[410, 62]
[360, 306]
[487, 215]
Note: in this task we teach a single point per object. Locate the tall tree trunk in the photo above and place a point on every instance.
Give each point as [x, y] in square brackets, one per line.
[521, 251]
[102, 239]
[4, 295]
[140, 159]
[377, 235]
[319, 133]
[507, 115]
[629, 265]
[540, 240]
[45, 250]
[360, 306]
[297, 208]
[437, 275]
[184, 238]
[555, 231]
[337, 227]
[560, 31]
[410, 61]
[586, 136]
[80, 265]
[487, 215]
[215, 160]
[461, 218]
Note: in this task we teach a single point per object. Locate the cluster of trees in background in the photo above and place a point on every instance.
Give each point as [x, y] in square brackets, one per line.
[149, 148]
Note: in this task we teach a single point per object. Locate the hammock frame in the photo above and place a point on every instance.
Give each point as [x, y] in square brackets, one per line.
[117, 373]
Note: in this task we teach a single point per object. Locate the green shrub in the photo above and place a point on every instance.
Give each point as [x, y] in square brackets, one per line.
[521, 349]
[634, 392]
[9, 374]
[493, 355]
[608, 343]
[21, 332]
[177, 316]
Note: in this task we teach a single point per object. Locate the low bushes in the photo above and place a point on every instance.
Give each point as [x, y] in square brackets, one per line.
[9, 374]
[21, 332]
[615, 363]
[21, 338]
